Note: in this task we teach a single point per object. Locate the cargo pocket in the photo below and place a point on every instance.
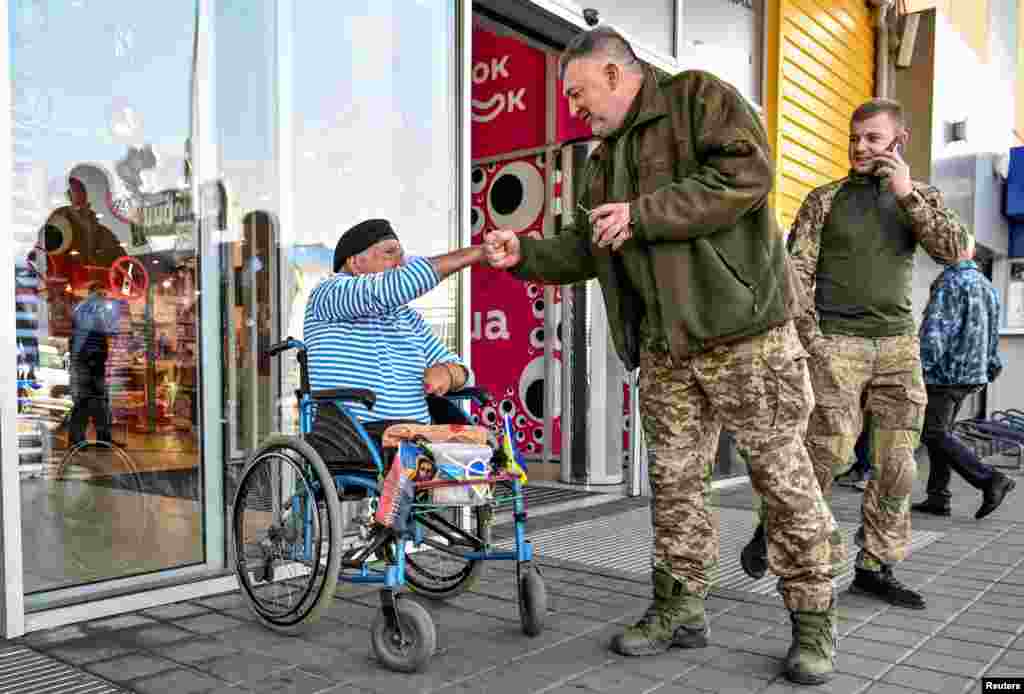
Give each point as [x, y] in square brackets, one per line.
[786, 373]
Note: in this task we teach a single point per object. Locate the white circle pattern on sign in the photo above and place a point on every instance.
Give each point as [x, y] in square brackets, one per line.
[516, 196]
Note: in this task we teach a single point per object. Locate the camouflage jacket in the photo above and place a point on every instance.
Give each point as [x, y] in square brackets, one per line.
[960, 330]
[937, 229]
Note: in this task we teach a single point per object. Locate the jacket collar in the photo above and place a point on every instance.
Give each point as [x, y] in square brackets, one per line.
[962, 265]
[652, 99]
[953, 269]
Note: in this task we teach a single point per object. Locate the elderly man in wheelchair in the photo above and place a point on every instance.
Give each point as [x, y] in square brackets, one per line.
[372, 374]
[361, 333]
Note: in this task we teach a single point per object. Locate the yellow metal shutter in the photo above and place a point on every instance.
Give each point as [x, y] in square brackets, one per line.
[820, 61]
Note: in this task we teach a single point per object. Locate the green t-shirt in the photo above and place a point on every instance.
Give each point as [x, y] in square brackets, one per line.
[866, 263]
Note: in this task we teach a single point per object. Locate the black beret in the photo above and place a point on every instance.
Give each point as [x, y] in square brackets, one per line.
[359, 238]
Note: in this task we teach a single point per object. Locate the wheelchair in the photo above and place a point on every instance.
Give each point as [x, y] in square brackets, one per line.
[287, 530]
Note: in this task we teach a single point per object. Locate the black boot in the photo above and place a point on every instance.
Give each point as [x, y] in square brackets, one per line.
[754, 557]
[882, 584]
[997, 490]
[937, 506]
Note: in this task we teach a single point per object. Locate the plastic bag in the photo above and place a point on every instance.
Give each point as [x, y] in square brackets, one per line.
[462, 461]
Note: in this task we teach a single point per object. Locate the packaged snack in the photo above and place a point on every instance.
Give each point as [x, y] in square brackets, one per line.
[396, 497]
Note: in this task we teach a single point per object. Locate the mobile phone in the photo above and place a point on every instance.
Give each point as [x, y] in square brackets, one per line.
[894, 146]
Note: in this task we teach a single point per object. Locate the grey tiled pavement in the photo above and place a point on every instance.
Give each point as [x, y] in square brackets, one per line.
[973, 578]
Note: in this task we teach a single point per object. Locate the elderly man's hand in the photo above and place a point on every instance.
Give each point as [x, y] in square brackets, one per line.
[437, 380]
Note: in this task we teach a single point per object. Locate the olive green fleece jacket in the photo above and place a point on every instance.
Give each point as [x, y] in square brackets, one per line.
[700, 172]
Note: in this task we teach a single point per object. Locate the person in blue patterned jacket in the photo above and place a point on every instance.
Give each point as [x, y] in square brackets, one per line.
[959, 342]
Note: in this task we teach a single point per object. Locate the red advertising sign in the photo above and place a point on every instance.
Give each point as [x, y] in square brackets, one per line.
[507, 101]
[508, 314]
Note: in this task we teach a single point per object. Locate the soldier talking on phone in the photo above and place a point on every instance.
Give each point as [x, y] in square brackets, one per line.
[853, 247]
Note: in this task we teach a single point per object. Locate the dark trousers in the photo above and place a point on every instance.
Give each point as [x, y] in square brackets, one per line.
[862, 451]
[945, 451]
[91, 401]
[96, 408]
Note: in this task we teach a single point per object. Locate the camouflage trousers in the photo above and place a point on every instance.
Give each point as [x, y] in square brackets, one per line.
[887, 371]
[760, 389]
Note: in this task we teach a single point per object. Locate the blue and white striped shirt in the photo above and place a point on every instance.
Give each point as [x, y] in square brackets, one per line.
[359, 333]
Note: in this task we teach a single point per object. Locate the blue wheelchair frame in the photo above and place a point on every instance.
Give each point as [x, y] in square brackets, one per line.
[393, 576]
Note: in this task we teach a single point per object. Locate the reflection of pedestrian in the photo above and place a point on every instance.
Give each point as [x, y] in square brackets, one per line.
[93, 321]
[959, 339]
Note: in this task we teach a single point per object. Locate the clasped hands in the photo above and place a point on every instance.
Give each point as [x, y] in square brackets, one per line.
[610, 223]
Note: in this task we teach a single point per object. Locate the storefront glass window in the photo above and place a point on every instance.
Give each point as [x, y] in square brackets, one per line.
[372, 134]
[247, 116]
[177, 194]
[107, 289]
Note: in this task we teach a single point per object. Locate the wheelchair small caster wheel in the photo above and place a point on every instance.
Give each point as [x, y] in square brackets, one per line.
[404, 637]
[533, 600]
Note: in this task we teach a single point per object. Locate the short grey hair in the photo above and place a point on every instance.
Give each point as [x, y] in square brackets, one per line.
[601, 40]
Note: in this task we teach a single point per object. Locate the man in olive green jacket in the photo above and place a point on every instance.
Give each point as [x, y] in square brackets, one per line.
[700, 296]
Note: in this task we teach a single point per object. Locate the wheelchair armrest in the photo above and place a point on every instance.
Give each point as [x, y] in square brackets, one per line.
[367, 398]
[477, 395]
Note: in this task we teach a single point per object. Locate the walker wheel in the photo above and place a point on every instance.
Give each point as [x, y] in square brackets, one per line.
[408, 647]
[533, 600]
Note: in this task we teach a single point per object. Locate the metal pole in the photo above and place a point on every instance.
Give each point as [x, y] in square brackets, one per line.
[639, 484]
[550, 210]
[568, 215]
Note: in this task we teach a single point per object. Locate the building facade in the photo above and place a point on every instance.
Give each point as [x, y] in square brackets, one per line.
[176, 178]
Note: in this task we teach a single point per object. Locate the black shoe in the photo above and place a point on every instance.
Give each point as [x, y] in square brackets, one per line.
[849, 478]
[933, 506]
[882, 584]
[754, 557]
[994, 495]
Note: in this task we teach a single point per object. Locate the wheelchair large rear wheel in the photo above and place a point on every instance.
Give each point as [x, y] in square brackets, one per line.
[286, 531]
[435, 567]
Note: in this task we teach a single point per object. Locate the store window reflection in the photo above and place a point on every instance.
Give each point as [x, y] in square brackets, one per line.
[374, 135]
[355, 120]
[106, 292]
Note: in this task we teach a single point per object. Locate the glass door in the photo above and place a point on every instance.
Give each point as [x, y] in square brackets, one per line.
[109, 226]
